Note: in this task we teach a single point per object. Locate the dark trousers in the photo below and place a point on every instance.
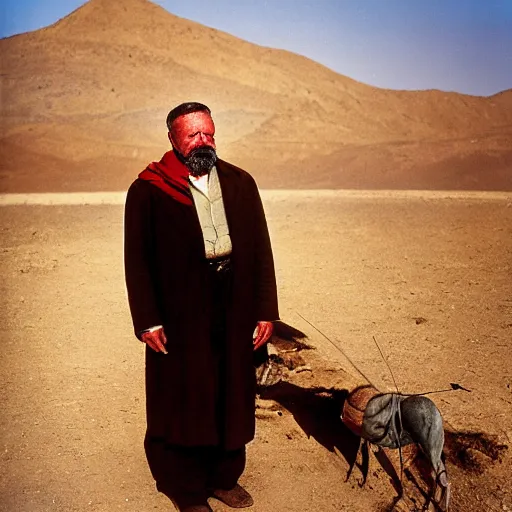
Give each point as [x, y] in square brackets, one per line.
[188, 475]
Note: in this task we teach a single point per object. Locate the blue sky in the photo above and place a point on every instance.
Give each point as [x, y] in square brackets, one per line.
[455, 45]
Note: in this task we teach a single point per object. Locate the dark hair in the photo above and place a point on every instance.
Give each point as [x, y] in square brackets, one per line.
[185, 108]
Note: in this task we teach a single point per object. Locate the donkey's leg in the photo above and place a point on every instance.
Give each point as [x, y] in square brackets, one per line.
[353, 463]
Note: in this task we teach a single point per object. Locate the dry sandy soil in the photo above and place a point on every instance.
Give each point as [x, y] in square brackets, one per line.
[428, 277]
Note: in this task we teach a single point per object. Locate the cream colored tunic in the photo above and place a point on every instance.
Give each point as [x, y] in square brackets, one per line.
[207, 196]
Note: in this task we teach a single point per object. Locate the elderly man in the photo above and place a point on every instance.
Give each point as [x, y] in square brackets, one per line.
[202, 294]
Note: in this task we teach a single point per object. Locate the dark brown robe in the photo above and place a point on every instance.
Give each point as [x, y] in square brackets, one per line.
[168, 283]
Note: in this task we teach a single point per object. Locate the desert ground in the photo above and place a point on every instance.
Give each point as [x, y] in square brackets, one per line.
[428, 275]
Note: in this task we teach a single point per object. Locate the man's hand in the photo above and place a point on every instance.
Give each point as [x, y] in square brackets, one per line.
[156, 340]
[262, 334]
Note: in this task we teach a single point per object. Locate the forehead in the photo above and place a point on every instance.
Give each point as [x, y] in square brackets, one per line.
[194, 122]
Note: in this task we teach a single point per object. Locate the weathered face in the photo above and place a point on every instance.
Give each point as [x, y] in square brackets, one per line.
[192, 131]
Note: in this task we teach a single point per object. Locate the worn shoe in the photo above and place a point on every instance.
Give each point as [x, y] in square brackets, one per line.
[237, 497]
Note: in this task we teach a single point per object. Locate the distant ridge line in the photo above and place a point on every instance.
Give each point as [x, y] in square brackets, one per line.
[118, 198]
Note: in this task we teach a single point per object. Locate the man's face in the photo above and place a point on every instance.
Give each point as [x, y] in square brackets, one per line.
[192, 131]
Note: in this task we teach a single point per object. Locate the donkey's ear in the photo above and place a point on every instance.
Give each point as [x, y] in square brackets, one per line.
[456, 386]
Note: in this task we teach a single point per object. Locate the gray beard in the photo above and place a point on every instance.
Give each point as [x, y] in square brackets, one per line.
[201, 160]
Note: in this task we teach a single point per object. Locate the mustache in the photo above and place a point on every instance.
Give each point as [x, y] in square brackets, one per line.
[202, 151]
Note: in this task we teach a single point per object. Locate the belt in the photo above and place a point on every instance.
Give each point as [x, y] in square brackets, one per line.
[220, 265]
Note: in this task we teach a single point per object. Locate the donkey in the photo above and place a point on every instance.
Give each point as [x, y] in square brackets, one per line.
[393, 420]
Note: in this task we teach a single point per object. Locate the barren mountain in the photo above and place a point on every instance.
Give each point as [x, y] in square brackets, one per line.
[84, 103]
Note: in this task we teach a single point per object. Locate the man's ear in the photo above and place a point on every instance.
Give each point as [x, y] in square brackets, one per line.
[169, 134]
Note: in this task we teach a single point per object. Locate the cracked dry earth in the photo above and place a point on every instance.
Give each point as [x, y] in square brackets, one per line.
[429, 278]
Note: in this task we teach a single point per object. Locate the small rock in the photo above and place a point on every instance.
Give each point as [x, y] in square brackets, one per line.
[304, 368]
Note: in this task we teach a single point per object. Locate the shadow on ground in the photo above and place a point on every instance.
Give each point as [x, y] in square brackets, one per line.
[317, 412]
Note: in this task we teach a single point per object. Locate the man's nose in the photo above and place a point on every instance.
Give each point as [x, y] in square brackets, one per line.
[203, 137]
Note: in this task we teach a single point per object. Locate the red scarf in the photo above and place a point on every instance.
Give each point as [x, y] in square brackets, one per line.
[171, 176]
